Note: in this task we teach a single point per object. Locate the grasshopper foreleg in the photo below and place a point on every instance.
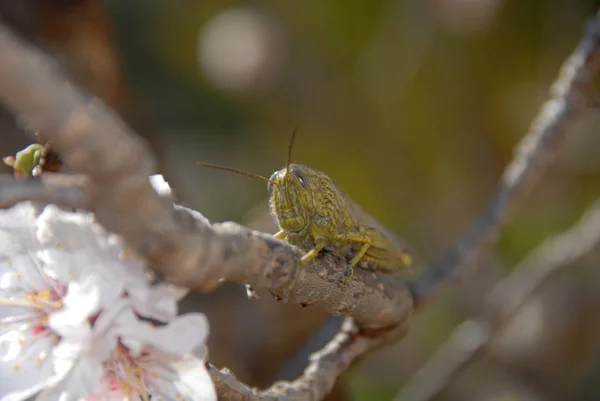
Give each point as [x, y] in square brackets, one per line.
[310, 255]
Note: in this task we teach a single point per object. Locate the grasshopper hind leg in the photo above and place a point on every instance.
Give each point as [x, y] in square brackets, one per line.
[364, 240]
[357, 258]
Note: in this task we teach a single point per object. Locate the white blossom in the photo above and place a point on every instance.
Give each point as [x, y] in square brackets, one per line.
[30, 294]
[71, 309]
[135, 360]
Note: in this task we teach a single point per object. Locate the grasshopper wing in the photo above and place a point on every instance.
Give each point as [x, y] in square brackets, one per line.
[389, 251]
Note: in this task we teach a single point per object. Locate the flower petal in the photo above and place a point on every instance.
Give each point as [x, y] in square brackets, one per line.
[79, 305]
[160, 185]
[23, 379]
[156, 302]
[194, 377]
[191, 383]
[179, 337]
[28, 274]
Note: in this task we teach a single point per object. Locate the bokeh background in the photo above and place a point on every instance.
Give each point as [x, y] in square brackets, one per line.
[413, 106]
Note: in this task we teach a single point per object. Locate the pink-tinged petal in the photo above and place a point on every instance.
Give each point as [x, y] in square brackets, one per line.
[82, 367]
[133, 359]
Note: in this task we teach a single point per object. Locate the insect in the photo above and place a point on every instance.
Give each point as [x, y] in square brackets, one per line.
[314, 213]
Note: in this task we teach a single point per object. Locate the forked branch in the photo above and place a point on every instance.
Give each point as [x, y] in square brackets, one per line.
[182, 246]
[568, 97]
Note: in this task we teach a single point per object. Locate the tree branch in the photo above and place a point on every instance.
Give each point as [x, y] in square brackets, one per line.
[318, 378]
[68, 191]
[230, 252]
[568, 98]
[471, 338]
[93, 141]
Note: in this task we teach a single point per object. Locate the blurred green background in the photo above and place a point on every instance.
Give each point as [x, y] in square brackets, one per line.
[414, 107]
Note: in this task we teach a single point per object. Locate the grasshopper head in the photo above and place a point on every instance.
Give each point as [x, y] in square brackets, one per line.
[291, 197]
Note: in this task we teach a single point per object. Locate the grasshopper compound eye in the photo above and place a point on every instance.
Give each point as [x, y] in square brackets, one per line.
[302, 179]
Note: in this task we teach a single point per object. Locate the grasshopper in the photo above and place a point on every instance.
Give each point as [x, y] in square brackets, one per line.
[314, 213]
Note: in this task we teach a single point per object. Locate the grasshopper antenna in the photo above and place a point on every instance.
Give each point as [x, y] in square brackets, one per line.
[289, 154]
[234, 170]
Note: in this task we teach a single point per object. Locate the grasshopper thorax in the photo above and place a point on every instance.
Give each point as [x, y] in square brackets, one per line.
[291, 198]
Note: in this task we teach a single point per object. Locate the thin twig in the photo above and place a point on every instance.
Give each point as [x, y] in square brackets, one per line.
[318, 378]
[50, 188]
[568, 98]
[473, 337]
